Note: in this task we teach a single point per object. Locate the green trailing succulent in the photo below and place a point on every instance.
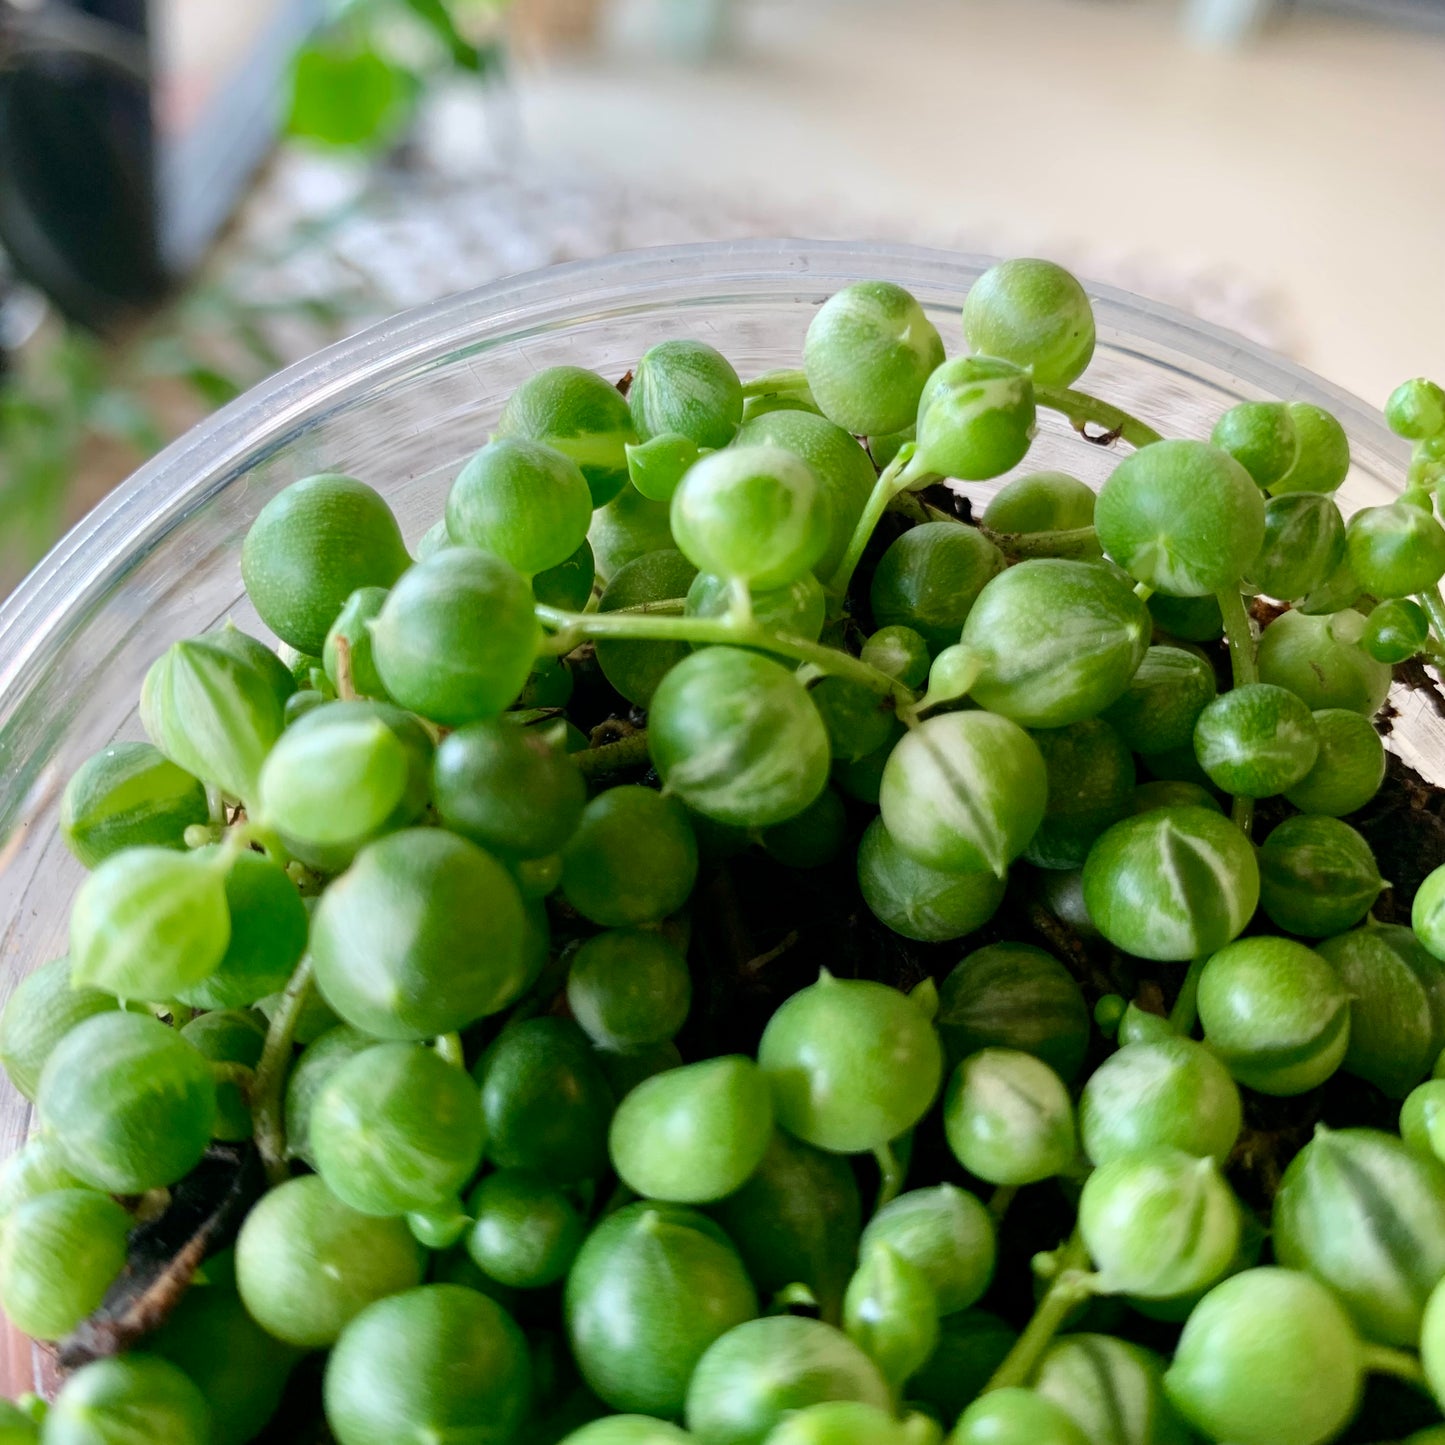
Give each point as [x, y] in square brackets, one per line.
[389, 909]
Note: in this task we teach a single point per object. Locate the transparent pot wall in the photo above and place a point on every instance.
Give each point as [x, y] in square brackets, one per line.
[403, 404]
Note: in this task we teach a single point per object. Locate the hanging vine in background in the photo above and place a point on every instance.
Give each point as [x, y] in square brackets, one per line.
[358, 81]
[356, 84]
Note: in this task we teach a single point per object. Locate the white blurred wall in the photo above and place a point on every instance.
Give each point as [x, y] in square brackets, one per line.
[1310, 164]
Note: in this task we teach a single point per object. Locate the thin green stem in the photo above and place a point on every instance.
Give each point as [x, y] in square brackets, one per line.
[271, 1071]
[628, 752]
[777, 383]
[1185, 1013]
[223, 1071]
[578, 626]
[1071, 1286]
[1434, 605]
[1382, 1360]
[668, 607]
[892, 1174]
[1239, 634]
[255, 830]
[1000, 1199]
[952, 676]
[740, 603]
[1241, 811]
[449, 1047]
[1083, 409]
[1064, 542]
[893, 479]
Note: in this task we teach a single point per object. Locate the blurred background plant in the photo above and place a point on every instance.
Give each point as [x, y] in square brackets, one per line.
[96, 387]
[359, 80]
[1270, 166]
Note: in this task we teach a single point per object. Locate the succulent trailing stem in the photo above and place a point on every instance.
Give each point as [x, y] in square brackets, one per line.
[449, 1047]
[892, 1171]
[1071, 1286]
[628, 752]
[1382, 1360]
[895, 478]
[1185, 1013]
[1434, 605]
[270, 1077]
[572, 628]
[1239, 634]
[1081, 409]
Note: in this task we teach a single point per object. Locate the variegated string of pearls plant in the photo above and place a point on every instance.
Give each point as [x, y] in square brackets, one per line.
[386, 910]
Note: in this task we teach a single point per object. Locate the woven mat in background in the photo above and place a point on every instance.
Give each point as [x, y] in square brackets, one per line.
[408, 237]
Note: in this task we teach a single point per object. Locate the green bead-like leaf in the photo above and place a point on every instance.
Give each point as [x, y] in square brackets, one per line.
[693, 1135]
[1036, 314]
[580, 414]
[1267, 1356]
[352, 627]
[653, 1287]
[1365, 1215]
[1167, 1092]
[656, 467]
[1160, 1224]
[1059, 641]
[334, 784]
[1091, 785]
[1172, 883]
[132, 1104]
[1016, 1416]
[1317, 876]
[766, 1370]
[797, 1221]
[1008, 1118]
[1256, 740]
[1163, 701]
[1397, 1003]
[920, 902]
[947, 1234]
[1275, 1013]
[964, 792]
[1112, 1390]
[1322, 452]
[835, 458]
[149, 923]
[874, 1077]
[1304, 541]
[976, 419]
[59, 1253]
[43, 1009]
[735, 736]
[127, 795]
[686, 388]
[1015, 996]
[211, 714]
[1182, 516]
[1318, 660]
[310, 547]
[891, 1311]
[930, 577]
[867, 355]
